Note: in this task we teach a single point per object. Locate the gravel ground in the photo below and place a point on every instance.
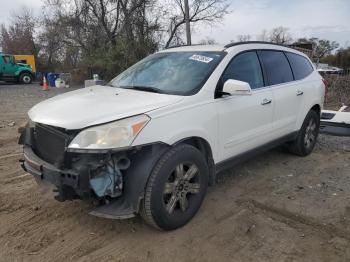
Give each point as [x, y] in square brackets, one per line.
[275, 207]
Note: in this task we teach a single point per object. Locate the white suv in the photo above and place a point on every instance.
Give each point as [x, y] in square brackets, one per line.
[154, 138]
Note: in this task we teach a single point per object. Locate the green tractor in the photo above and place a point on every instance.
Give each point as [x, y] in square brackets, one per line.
[10, 70]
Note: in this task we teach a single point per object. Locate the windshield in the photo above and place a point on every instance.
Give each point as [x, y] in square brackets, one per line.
[178, 73]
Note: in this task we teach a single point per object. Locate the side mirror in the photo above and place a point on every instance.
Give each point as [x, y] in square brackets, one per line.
[236, 87]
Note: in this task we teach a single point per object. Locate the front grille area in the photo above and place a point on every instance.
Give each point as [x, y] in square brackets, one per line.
[50, 144]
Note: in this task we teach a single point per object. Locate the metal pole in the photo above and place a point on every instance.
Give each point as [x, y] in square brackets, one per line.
[187, 20]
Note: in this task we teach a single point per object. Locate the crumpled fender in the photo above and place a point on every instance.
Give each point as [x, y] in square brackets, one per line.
[135, 180]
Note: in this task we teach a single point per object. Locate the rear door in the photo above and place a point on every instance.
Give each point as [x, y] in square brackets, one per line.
[245, 122]
[302, 68]
[287, 99]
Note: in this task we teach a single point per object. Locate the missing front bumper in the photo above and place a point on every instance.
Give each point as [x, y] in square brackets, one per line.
[92, 177]
[72, 180]
[66, 182]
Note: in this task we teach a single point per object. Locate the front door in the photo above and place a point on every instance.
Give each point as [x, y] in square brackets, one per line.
[245, 122]
[9, 66]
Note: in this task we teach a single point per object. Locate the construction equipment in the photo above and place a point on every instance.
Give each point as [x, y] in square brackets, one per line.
[26, 59]
[10, 70]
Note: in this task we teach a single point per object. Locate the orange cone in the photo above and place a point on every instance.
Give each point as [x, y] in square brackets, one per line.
[45, 86]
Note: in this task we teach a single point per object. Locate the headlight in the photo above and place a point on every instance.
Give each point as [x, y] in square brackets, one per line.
[112, 135]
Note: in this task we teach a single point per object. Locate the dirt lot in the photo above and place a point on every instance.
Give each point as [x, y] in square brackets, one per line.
[275, 207]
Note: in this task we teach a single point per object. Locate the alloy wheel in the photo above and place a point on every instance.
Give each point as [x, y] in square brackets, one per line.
[182, 184]
[310, 133]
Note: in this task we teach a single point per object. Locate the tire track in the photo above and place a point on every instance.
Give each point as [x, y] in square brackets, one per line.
[294, 220]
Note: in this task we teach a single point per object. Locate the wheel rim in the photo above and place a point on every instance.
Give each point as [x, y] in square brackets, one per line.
[26, 79]
[310, 134]
[182, 184]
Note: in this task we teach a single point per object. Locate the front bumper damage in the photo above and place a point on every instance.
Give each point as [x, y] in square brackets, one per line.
[92, 177]
[113, 179]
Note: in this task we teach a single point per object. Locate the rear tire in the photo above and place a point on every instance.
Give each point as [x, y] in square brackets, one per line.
[25, 78]
[176, 188]
[307, 135]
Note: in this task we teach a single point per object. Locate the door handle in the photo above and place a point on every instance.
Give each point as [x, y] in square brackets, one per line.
[266, 101]
[299, 93]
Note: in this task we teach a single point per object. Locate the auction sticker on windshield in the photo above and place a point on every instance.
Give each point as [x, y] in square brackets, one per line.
[201, 58]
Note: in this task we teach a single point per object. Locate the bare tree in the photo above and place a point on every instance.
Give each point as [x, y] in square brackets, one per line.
[101, 33]
[320, 47]
[205, 11]
[244, 38]
[52, 46]
[102, 21]
[280, 35]
[18, 38]
[104, 36]
[207, 41]
[264, 36]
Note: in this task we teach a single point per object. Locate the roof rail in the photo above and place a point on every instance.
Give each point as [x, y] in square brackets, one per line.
[175, 46]
[252, 42]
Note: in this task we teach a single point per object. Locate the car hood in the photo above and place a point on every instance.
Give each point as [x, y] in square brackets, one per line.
[97, 105]
[23, 65]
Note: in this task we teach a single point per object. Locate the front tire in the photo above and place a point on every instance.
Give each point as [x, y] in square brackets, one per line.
[176, 188]
[307, 135]
[25, 78]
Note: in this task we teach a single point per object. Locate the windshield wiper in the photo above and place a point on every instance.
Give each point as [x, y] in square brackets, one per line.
[144, 88]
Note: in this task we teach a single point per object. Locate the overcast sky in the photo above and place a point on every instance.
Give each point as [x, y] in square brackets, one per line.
[329, 19]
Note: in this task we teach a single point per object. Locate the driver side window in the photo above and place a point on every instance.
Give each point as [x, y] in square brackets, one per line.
[7, 59]
[245, 67]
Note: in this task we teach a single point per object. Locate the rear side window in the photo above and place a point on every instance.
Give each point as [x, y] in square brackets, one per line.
[245, 67]
[300, 65]
[277, 67]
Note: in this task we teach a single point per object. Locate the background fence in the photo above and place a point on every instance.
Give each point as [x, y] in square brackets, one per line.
[338, 90]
